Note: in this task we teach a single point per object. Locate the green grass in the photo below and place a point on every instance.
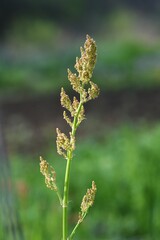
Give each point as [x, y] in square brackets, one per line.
[125, 164]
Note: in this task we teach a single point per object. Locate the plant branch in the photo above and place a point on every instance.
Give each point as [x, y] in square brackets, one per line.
[67, 177]
[76, 226]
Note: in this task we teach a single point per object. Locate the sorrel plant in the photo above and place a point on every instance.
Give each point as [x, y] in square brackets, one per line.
[87, 90]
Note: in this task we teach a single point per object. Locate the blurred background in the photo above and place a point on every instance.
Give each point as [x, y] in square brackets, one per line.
[118, 145]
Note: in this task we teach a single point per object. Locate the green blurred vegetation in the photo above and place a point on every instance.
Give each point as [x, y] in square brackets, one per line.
[37, 53]
[121, 64]
[125, 165]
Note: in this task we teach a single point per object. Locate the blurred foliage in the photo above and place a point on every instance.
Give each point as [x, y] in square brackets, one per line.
[125, 165]
[37, 53]
[120, 64]
[128, 64]
[77, 15]
[32, 31]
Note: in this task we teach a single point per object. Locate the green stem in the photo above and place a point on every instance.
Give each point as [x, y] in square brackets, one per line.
[59, 197]
[75, 228]
[67, 177]
[65, 199]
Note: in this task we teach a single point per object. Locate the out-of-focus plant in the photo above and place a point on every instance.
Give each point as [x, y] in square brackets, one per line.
[87, 90]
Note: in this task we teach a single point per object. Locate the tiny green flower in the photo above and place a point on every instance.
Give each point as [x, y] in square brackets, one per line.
[87, 201]
[65, 100]
[49, 173]
[64, 144]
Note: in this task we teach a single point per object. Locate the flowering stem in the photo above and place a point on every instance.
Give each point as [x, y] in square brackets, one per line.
[87, 91]
[75, 228]
[65, 200]
[67, 177]
[74, 231]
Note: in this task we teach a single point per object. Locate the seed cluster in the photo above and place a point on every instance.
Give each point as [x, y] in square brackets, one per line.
[49, 173]
[82, 84]
[64, 144]
[87, 200]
